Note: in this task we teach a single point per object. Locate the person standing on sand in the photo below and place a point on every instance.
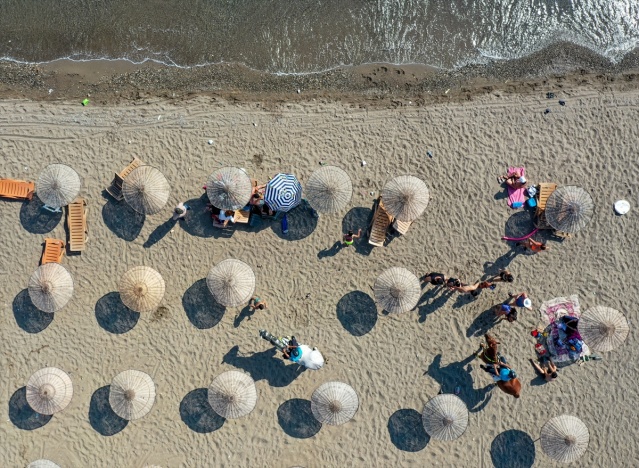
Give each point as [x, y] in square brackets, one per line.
[257, 304]
[436, 279]
[180, 211]
[349, 237]
[520, 300]
[503, 276]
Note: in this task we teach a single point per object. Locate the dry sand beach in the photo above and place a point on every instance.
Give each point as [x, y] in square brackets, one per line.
[395, 363]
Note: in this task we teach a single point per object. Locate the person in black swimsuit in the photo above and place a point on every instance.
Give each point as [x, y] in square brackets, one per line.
[436, 279]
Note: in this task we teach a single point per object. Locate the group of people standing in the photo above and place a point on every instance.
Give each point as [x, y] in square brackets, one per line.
[506, 309]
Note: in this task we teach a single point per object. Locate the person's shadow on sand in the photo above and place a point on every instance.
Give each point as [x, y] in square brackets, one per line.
[456, 375]
[331, 251]
[159, 232]
[246, 313]
[432, 300]
[265, 365]
[482, 324]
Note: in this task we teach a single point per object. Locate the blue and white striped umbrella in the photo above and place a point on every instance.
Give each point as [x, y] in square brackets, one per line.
[283, 192]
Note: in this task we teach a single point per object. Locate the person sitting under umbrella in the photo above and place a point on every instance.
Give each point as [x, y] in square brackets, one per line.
[226, 216]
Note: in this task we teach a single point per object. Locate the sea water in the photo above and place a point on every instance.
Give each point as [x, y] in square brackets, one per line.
[300, 36]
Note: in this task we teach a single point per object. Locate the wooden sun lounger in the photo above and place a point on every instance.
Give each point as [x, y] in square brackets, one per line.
[401, 226]
[115, 189]
[545, 190]
[242, 216]
[53, 251]
[77, 225]
[379, 225]
[16, 189]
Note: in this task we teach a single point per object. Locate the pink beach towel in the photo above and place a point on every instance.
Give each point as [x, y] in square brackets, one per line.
[516, 195]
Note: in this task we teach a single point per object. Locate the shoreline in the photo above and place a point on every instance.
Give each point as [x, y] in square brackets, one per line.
[113, 81]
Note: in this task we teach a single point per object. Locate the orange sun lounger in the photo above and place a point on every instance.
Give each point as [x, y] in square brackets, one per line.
[16, 189]
[53, 251]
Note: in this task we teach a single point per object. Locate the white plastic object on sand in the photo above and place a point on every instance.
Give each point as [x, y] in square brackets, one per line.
[622, 207]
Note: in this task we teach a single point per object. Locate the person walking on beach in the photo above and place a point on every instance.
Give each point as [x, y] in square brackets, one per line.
[436, 279]
[520, 300]
[533, 245]
[505, 311]
[349, 237]
[179, 212]
[256, 303]
[503, 276]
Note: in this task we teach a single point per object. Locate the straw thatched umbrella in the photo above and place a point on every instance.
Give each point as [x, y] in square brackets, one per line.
[445, 417]
[42, 463]
[334, 403]
[58, 185]
[229, 188]
[603, 328]
[569, 209]
[397, 290]
[141, 289]
[50, 287]
[405, 197]
[329, 189]
[146, 190]
[231, 282]
[49, 390]
[132, 394]
[232, 394]
[564, 438]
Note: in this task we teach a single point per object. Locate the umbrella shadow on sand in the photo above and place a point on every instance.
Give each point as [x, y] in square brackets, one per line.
[512, 449]
[301, 224]
[101, 416]
[265, 365]
[201, 308]
[197, 221]
[28, 317]
[113, 315]
[407, 431]
[37, 220]
[355, 219]
[519, 224]
[296, 419]
[197, 414]
[357, 312]
[122, 220]
[22, 415]
[457, 374]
